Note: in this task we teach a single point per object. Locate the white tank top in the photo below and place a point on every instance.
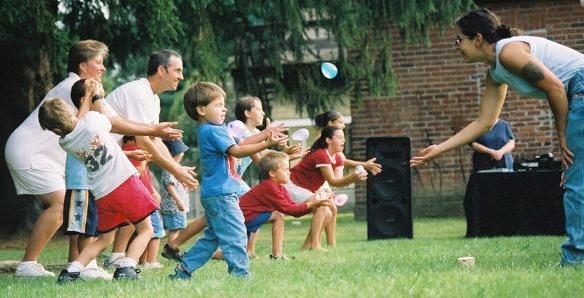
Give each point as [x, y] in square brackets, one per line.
[559, 59]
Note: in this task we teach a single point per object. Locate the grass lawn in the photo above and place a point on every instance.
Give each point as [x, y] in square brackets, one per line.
[425, 266]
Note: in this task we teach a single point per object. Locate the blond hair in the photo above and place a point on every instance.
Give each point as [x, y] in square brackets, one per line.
[270, 162]
[55, 115]
[199, 95]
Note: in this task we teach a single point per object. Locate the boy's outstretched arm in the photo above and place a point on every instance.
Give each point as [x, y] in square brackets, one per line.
[249, 149]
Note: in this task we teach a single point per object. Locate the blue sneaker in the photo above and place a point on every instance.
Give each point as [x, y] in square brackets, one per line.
[179, 274]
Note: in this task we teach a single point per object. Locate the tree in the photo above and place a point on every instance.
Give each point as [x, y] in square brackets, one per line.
[259, 47]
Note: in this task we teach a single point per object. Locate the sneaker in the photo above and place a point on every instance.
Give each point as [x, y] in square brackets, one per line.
[112, 264]
[565, 263]
[67, 277]
[179, 274]
[95, 273]
[126, 273]
[282, 257]
[153, 265]
[171, 253]
[32, 269]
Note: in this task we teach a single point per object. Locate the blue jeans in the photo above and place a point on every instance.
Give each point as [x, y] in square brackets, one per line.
[226, 229]
[573, 248]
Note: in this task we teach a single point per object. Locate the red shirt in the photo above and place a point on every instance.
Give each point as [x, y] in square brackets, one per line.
[269, 196]
[144, 177]
[307, 174]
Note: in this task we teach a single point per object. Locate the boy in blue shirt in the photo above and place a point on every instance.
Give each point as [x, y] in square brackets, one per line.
[204, 102]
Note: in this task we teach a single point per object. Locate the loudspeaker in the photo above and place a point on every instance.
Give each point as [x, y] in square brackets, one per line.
[389, 194]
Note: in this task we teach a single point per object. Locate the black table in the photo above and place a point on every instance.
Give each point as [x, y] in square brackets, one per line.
[514, 203]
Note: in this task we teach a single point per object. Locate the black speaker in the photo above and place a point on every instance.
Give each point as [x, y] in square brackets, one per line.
[389, 194]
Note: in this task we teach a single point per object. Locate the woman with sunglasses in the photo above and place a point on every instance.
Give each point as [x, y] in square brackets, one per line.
[534, 67]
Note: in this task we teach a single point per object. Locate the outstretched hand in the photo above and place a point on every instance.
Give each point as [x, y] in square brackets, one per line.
[138, 154]
[296, 152]
[165, 131]
[186, 175]
[277, 140]
[275, 130]
[372, 167]
[424, 156]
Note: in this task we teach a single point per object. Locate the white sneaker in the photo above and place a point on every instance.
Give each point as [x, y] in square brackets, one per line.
[32, 269]
[113, 264]
[95, 273]
[153, 265]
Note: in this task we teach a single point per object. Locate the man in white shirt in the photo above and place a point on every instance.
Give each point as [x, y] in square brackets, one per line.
[138, 101]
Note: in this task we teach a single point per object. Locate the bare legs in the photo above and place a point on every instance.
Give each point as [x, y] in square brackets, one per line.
[46, 225]
[76, 244]
[277, 220]
[190, 231]
[323, 217]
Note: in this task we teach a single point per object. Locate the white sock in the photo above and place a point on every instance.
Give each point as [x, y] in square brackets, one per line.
[75, 267]
[127, 262]
[28, 262]
[117, 255]
[92, 264]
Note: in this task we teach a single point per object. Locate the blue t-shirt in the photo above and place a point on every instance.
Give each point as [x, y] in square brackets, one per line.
[75, 174]
[219, 174]
[496, 138]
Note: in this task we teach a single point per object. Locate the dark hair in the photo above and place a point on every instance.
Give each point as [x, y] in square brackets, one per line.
[161, 57]
[327, 132]
[84, 51]
[199, 95]
[126, 139]
[323, 119]
[486, 23]
[244, 104]
[77, 92]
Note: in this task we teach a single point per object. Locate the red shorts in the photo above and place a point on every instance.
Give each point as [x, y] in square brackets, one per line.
[147, 180]
[130, 202]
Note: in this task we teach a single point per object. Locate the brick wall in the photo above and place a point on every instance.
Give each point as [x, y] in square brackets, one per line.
[438, 94]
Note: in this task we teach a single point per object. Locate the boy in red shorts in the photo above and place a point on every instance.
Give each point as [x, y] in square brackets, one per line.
[121, 197]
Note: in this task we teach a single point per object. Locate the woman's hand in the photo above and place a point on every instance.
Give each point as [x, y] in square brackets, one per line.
[567, 155]
[372, 167]
[424, 156]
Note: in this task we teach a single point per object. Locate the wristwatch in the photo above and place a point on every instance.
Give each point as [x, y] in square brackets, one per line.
[96, 98]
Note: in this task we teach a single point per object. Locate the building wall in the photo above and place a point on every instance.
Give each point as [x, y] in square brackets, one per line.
[438, 94]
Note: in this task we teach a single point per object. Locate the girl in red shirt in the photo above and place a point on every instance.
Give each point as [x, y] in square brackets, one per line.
[323, 163]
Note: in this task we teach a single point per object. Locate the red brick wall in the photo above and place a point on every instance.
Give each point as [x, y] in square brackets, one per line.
[438, 94]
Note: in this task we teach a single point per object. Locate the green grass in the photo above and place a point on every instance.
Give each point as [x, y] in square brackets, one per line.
[425, 266]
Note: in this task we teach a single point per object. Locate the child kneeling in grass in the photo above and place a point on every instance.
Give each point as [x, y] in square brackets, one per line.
[269, 200]
[121, 197]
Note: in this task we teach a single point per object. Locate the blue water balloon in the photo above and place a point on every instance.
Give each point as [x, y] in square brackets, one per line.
[329, 70]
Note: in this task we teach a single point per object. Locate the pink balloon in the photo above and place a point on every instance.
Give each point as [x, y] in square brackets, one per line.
[341, 199]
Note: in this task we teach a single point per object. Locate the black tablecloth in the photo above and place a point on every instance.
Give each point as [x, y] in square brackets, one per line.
[514, 203]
